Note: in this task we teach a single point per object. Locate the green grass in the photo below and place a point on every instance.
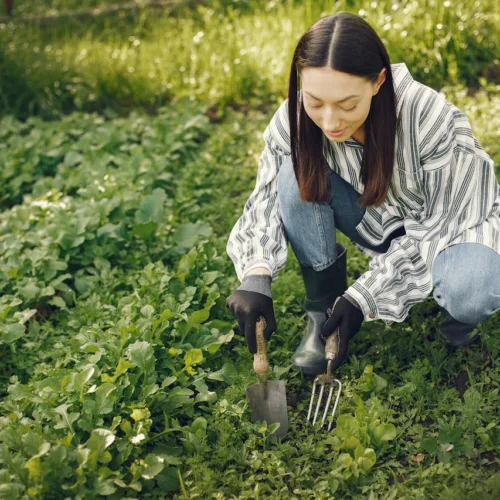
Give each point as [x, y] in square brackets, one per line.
[220, 54]
[106, 170]
[48, 7]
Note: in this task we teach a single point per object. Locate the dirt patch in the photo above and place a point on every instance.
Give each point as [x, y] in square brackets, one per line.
[294, 398]
[427, 422]
[461, 382]
[493, 461]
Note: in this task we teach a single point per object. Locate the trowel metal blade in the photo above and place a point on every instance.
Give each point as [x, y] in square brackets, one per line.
[268, 402]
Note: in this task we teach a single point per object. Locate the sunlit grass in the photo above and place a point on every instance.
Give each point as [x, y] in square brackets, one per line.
[51, 7]
[221, 55]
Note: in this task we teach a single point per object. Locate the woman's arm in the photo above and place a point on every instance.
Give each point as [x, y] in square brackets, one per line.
[460, 189]
[257, 243]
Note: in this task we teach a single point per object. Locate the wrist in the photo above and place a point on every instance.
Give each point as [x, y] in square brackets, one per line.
[258, 270]
[352, 301]
[258, 283]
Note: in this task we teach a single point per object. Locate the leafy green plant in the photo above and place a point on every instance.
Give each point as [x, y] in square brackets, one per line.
[123, 375]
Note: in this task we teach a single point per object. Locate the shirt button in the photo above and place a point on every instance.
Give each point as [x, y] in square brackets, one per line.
[371, 315]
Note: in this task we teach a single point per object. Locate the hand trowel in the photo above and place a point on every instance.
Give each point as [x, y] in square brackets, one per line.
[266, 398]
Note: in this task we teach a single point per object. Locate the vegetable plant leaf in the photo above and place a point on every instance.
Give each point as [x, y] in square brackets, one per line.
[191, 358]
[82, 378]
[67, 420]
[123, 366]
[198, 317]
[151, 209]
[186, 235]
[104, 403]
[11, 332]
[141, 353]
[98, 442]
[384, 432]
[153, 465]
[227, 373]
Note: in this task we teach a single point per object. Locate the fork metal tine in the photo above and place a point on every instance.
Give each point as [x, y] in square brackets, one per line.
[322, 382]
[320, 397]
[327, 406]
[312, 399]
[336, 401]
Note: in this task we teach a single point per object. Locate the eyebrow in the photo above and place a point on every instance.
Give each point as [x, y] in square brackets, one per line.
[341, 100]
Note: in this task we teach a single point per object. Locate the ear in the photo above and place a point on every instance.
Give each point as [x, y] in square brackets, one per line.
[380, 81]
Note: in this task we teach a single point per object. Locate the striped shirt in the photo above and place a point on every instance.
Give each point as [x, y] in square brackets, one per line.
[444, 191]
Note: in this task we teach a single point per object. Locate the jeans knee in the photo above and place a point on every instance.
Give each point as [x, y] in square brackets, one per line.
[464, 306]
[288, 189]
[467, 313]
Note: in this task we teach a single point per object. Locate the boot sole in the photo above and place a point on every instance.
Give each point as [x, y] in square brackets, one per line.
[311, 371]
[454, 346]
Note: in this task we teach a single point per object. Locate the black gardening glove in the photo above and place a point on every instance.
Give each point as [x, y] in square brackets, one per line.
[250, 301]
[348, 319]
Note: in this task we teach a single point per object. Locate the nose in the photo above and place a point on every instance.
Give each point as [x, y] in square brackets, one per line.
[331, 122]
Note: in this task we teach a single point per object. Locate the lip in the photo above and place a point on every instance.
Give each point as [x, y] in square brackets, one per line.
[336, 134]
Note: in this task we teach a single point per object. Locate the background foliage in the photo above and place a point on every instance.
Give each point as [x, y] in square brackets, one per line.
[124, 62]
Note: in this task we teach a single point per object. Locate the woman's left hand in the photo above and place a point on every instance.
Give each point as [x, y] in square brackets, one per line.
[348, 319]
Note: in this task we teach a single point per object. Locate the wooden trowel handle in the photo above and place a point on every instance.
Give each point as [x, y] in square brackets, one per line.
[260, 362]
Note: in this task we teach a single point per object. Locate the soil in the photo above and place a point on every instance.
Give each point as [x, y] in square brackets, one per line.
[461, 382]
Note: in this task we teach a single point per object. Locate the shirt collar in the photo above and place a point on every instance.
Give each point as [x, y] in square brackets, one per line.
[402, 81]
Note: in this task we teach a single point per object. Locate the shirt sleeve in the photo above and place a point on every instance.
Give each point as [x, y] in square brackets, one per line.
[459, 190]
[258, 238]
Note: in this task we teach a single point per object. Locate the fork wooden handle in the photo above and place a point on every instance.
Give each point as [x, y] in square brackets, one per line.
[333, 341]
[333, 345]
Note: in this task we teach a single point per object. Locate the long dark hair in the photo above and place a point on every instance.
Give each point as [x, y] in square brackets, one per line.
[346, 43]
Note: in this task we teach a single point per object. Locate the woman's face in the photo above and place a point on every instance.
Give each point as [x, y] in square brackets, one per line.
[338, 102]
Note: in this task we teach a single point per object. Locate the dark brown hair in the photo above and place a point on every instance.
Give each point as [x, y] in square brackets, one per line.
[346, 43]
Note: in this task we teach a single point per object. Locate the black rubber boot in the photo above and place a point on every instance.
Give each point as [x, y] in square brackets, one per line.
[455, 333]
[322, 288]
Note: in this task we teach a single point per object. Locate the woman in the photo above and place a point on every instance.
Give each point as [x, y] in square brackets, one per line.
[392, 165]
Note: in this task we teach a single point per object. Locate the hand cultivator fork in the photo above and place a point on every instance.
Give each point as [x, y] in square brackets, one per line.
[326, 379]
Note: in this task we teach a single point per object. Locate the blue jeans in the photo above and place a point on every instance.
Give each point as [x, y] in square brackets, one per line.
[462, 274]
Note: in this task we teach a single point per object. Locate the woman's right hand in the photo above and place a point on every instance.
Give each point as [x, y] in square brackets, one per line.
[247, 306]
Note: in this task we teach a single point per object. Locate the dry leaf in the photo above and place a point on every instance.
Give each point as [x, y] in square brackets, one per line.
[418, 457]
